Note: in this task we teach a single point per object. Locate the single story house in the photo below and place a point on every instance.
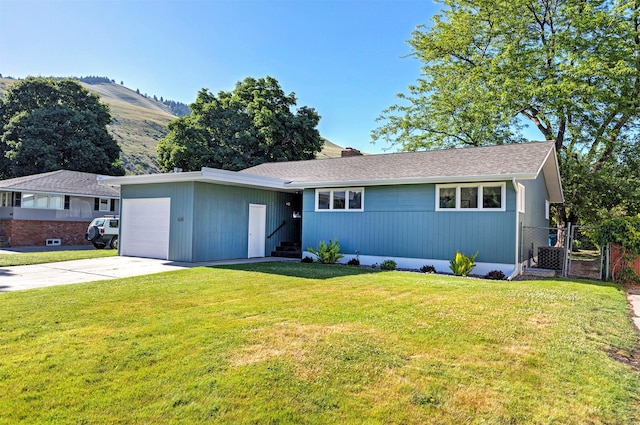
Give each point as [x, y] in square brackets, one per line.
[52, 208]
[416, 208]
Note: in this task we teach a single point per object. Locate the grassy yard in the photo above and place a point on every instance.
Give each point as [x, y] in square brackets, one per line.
[291, 343]
[26, 258]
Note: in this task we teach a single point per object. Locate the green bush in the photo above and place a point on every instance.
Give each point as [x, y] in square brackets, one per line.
[461, 265]
[388, 265]
[327, 253]
[495, 275]
[623, 231]
[428, 268]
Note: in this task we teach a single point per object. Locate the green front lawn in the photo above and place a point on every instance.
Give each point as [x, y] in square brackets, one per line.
[293, 343]
[27, 258]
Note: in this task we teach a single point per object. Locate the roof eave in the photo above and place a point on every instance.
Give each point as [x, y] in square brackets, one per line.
[550, 168]
[413, 180]
[207, 175]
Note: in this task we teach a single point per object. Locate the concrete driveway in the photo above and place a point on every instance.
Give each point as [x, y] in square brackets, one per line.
[17, 278]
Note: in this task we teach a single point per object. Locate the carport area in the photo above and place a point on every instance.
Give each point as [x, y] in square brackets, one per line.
[16, 278]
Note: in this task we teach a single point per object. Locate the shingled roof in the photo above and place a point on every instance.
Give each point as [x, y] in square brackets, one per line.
[500, 162]
[483, 164]
[61, 182]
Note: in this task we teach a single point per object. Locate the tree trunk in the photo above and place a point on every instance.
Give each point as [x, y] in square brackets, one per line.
[561, 224]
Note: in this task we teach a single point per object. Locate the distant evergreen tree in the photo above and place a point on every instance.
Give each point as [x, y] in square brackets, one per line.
[138, 91]
[121, 83]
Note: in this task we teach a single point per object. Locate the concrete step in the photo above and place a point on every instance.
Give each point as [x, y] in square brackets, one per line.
[535, 272]
[287, 254]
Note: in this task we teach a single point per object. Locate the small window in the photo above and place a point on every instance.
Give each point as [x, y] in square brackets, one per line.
[547, 208]
[479, 197]
[469, 197]
[5, 199]
[355, 199]
[340, 199]
[104, 204]
[491, 197]
[521, 198]
[324, 199]
[448, 197]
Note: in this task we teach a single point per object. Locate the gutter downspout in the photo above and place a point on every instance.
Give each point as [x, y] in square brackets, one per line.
[517, 250]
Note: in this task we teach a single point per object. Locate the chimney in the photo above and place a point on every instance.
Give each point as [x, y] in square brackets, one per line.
[350, 152]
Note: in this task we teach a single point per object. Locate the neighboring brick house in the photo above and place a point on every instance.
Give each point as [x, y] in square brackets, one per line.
[52, 208]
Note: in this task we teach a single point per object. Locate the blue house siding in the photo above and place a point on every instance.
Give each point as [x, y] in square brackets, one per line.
[401, 221]
[535, 197]
[211, 222]
[221, 223]
[535, 233]
[181, 225]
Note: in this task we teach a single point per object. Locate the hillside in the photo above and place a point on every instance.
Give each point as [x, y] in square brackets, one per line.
[139, 122]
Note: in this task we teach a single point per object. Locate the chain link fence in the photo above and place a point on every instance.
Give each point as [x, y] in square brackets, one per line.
[540, 249]
[562, 252]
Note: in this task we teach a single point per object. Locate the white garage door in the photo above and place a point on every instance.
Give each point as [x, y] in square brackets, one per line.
[144, 230]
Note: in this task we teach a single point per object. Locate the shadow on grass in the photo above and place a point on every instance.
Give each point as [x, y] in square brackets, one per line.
[303, 270]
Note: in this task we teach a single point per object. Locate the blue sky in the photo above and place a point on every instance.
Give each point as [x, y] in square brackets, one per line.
[347, 59]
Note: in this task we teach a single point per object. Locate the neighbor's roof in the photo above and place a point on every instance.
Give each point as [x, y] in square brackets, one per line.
[61, 182]
[491, 163]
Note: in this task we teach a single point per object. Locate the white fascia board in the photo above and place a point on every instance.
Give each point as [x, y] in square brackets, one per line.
[207, 175]
[551, 170]
[50, 192]
[149, 178]
[235, 178]
[416, 180]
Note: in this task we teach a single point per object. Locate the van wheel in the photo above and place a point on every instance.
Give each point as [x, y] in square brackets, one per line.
[114, 242]
[99, 245]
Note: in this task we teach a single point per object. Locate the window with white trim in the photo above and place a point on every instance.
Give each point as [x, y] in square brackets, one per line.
[104, 204]
[5, 199]
[471, 197]
[342, 199]
[42, 201]
[521, 198]
[547, 208]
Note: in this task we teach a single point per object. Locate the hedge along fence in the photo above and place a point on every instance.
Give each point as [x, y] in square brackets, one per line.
[623, 234]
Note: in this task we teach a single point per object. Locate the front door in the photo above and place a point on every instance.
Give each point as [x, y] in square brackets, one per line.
[257, 230]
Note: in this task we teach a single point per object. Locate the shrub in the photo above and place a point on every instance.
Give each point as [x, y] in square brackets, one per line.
[427, 268]
[353, 262]
[307, 259]
[327, 253]
[495, 275]
[623, 231]
[461, 265]
[388, 265]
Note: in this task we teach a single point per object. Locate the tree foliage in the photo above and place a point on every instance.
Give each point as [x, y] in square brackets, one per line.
[234, 130]
[51, 124]
[570, 69]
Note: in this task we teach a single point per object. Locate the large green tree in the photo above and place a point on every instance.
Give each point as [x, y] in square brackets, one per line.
[569, 69]
[234, 130]
[51, 124]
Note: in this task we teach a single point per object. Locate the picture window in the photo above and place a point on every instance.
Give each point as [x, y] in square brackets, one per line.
[344, 199]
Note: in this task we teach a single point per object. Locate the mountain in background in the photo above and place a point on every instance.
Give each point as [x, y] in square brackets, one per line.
[140, 121]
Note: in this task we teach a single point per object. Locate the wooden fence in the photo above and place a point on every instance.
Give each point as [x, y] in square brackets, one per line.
[617, 262]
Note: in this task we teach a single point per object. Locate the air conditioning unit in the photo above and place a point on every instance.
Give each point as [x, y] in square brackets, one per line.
[54, 242]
